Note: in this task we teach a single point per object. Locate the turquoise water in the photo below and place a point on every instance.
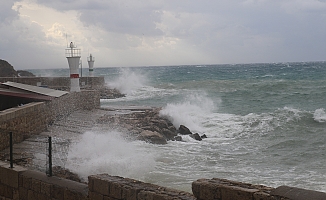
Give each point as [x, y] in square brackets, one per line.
[266, 124]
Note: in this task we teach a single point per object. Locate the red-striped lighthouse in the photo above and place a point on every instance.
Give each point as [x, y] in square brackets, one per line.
[73, 56]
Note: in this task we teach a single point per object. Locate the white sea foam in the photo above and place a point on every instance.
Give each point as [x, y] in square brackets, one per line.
[320, 115]
[223, 125]
[108, 152]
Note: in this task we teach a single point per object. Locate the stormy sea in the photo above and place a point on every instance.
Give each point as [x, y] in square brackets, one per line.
[265, 124]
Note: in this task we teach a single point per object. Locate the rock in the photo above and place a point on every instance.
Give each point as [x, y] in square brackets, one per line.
[141, 120]
[152, 137]
[183, 130]
[203, 136]
[169, 135]
[178, 138]
[7, 70]
[196, 137]
[107, 93]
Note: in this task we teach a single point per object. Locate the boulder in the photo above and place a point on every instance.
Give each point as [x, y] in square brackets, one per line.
[141, 120]
[152, 137]
[177, 138]
[169, 135]
[183, 130]
[203, 136]
[196, 136]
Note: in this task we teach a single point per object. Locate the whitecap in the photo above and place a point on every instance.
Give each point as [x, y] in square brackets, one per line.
[320, 115]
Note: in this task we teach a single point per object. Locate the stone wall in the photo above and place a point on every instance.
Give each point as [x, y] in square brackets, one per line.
[222, 189]
[21, 183]
[57, 82]
[33, 118]
[117, 188]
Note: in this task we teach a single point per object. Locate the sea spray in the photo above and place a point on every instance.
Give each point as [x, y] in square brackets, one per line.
[190, 112]
[108, 152]
[129, 81]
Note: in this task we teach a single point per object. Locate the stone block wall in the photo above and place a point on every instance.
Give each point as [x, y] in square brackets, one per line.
[33, 118]
[222, 189]
[109, 187]
[9, 181]
[22, 121]
[20, 183]
[37, 185]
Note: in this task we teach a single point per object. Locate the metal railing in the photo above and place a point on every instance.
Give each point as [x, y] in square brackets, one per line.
[72, 52]
[55, 155]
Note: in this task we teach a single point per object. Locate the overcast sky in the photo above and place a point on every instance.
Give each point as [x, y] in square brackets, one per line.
[123, 33]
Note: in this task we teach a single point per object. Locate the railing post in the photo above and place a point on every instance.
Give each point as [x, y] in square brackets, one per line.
[50, 156]
[11, 151]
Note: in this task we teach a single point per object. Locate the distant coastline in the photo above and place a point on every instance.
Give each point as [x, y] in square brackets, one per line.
[7, 70]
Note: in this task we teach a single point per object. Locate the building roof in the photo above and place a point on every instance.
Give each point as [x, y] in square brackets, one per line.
[36, 89]
[29, 91]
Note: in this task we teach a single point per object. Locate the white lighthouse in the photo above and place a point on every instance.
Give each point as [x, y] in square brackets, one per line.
[91, 60]
[73, 56]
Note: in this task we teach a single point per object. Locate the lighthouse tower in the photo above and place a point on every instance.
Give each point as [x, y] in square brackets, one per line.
[91, 60]
[73, 56]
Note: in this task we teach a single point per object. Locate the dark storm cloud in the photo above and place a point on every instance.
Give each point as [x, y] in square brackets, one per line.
[185, 31]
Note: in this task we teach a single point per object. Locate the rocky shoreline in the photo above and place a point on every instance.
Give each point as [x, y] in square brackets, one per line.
[147, 124]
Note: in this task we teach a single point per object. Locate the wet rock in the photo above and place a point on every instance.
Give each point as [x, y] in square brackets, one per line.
[149, 119]
[169, 135]
[196, 136]
[183, 130]
[177, 138]
[107, 93]
[152, 137]
[203, 136]
[143, 120]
